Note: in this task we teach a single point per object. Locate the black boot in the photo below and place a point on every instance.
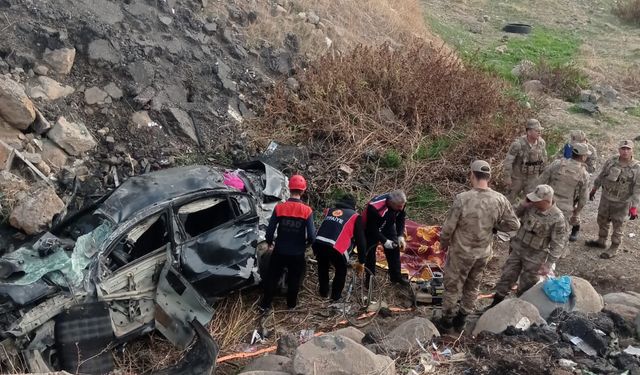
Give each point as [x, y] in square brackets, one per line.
[496, 300]
[443, 324]
[574, 233]
[458, 321]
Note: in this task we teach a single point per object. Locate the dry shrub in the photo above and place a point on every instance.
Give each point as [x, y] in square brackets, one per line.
[565, 81]
[357, 108]
[631, 79]
[628, 11]
[347, 23]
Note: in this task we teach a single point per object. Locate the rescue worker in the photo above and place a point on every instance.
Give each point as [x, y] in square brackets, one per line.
[570, 182]
[294, 222]
[578, 136]
[384, 219]
[340, 228]
[536, 246]
[525, 161]
[620, 181]
[467, 235]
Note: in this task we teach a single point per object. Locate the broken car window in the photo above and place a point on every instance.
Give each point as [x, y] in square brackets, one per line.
[143, 238]
[242, 204]
[203, 215]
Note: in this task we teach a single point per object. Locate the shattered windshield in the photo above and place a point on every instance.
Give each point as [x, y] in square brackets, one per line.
[62, 267]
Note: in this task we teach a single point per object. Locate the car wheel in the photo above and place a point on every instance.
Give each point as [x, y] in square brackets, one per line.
[517, 28]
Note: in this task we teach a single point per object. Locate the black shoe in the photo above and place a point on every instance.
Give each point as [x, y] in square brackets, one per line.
[496, 300]
[458, 321]
[401, 281]
[573, 237]
[443, 324]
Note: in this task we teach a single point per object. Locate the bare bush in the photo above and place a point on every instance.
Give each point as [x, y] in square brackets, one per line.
[353, 109]
[565, 81]
[628, 11]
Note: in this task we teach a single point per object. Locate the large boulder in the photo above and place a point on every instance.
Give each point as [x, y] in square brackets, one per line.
[181, 121]
[510, 312]
[61, 60]
[47, 88]
[350, 332]
[405, 337]
[270, 362]
[15, 106]
[623, 298]
[53, 155]
[629, 313]
[102, 51]
[338, 355]
[73, 137]
[34, 210]
[585, 298]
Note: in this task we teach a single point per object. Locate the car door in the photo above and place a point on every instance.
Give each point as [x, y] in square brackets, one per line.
[217, 241]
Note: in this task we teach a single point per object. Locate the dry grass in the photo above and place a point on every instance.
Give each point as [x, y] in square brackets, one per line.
[421, 110]
[564, 81]
[628, 11]
[347, 23]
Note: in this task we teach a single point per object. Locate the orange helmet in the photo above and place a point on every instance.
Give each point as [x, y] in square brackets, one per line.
[297, 182]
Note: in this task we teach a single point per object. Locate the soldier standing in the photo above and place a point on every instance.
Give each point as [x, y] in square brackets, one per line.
[570, 182]
[578, 136]
[536, 246]
[620, 181]
[468, 234]
[525, 161]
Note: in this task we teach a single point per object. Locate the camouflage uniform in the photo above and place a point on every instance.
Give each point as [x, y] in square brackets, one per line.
[620, 190]
[523, 165]
[469, 231]
[569, 180]
[539, 240]
[578, 136]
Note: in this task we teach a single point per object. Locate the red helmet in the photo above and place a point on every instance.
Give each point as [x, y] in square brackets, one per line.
[297, 182]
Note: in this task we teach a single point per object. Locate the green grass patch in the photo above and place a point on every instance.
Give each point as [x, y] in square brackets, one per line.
[635, 111]
[556, 48]
[555, 139]
[575, 109]
[433, 149]
[425, 199]
[391, 159]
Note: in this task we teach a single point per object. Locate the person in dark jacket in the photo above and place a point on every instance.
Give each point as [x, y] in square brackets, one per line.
[294, 223]
[384, 219]
[340, 228]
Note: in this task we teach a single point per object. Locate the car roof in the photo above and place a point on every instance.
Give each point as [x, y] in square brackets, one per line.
[146, 190]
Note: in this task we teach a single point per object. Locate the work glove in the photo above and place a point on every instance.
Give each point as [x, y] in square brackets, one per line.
[389, 245]
[592, 194]
[358, 268]
[402, 243]
[633, 213]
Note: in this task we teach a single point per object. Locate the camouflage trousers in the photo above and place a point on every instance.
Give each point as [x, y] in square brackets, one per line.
[521, 185]
[611, 212]
[522, 266]
[570, 218]
[462, 277]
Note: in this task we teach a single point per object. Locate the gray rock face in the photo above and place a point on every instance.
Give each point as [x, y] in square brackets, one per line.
[73, 137]
[583, 298]
[287, 345]
[101, 50]
[94, 95]
[47, 88]
[34, 210]
[507, 313]
[629, 313]
[338, 355]
[60, 60]
[15, 107]
[623, 298]
[224, 75]
[53, 155]
[350, 332]
[270, 363]
[405, 337]
[181, 121]
[113, 90]
[536, 296]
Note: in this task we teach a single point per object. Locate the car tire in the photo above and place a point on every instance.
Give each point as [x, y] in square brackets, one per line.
[517, 28]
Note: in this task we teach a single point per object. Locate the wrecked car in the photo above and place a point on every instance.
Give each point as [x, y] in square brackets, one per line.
[150, 255]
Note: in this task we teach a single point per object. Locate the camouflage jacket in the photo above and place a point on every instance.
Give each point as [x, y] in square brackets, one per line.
[570, 182]
[620, 182]
[525, 159]
[468, 229]
[590, 163]
[541, 231]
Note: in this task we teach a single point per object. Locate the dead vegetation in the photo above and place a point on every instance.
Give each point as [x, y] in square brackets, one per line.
[628, 11]
[343, 24]
[409, 118]
[564, 81]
